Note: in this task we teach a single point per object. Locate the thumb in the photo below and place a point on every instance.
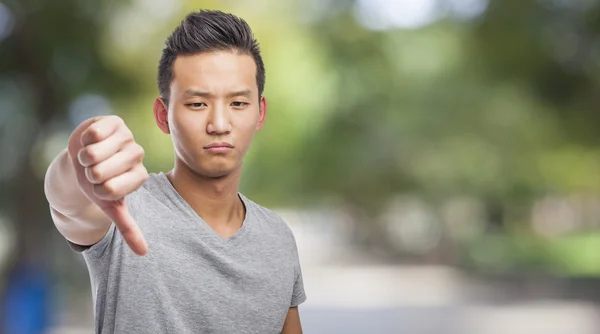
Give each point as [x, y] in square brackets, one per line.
[128, 228]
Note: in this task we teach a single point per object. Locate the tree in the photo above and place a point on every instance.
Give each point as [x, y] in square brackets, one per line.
[51, 58]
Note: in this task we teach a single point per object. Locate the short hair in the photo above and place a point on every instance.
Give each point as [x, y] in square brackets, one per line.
[208, 31]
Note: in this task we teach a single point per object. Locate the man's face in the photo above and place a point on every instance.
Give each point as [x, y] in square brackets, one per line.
[214, 110]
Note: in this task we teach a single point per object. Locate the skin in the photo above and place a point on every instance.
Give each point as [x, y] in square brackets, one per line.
[87, 183]
[213, 98]
[292, 323]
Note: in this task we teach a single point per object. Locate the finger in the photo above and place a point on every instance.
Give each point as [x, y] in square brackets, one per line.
[100, 130]
[116, 165]
[128, 228]
[121, 185]
[75, 139]
[96, 153]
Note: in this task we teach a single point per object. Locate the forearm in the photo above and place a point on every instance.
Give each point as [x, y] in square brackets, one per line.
[292, 322]
[61, 187]
[75, 216]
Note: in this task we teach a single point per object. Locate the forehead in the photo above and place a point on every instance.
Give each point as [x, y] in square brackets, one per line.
[216, 72]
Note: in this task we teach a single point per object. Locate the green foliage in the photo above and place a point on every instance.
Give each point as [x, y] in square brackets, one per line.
[502, 108]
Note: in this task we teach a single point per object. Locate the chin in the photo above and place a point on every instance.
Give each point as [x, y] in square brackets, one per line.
[215, 171]
[217, 174]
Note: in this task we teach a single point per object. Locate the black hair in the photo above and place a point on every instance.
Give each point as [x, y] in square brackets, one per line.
[208, 31]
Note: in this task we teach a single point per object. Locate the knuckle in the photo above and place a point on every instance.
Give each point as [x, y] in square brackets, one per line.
[99, 119]
[134, 153]
[110, 190]
[118, 122]
[116, 119]
[138, 153]
[94, 133]
[142, 152]
[144, 174]
[128, 135]
[96, 174]
[90, 155]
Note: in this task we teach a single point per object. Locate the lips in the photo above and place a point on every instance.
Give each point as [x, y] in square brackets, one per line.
[219, 145]
[219, 148]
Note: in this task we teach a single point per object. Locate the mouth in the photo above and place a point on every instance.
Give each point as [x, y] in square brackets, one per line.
[219, 147]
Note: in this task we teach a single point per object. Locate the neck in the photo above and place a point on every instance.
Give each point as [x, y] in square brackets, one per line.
[215, 200]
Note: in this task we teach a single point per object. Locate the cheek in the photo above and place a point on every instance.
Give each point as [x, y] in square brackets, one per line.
[187, 126]
[246, 132]
[248, 122]
[186, 136]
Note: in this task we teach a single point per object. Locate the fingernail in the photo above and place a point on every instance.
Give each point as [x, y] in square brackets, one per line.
[79, 157]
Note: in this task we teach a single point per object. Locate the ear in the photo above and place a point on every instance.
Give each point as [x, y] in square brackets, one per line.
[262, 112]
[161, 115]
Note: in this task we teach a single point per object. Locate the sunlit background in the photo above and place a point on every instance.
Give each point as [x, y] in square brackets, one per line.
[438, 160]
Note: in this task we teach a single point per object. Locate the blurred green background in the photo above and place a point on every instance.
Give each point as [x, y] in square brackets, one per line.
[448, 132]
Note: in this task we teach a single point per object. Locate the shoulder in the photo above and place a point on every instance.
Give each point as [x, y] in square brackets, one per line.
[270, 220]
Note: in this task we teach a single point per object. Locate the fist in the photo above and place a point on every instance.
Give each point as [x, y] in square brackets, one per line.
[108, 165]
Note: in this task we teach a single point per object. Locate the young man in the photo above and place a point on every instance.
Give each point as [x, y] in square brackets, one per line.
[214, 261]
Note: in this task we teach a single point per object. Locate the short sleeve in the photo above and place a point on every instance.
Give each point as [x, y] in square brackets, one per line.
[298, 295]
[97, 249]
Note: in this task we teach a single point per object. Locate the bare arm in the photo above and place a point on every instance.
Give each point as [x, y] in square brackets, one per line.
[292, 322]
[77, 218]
[87, 183]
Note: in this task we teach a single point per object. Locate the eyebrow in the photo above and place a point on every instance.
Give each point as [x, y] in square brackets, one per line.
[194, 92]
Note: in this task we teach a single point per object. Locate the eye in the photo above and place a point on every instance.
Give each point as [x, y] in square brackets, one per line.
[196, 104]
[238, 104]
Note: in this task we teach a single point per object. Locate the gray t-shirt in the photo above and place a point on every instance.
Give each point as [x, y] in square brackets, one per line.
[192, 280]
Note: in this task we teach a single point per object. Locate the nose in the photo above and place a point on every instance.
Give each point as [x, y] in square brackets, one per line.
[218, 122]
